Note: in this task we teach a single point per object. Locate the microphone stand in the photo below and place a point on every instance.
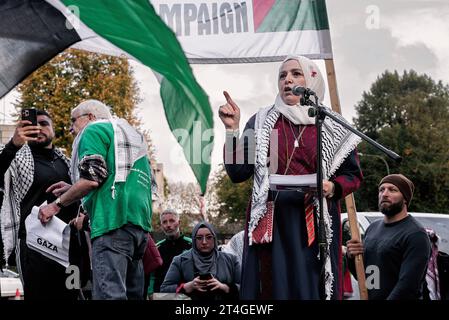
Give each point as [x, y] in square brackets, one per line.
[319, 111]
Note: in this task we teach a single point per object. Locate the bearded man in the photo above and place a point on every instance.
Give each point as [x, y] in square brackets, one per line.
[29, 164]
[172, 245]
[396, 248]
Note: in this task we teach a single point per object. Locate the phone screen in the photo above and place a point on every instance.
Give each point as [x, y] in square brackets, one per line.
[30, 115]
[205, 276]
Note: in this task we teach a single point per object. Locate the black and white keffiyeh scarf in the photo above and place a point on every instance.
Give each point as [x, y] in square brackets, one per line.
[129, 146]
[18, 180]
[432, 276]
[338, 142]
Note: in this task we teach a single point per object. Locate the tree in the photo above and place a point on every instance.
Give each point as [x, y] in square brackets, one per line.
[409, 115]
[186, 199]
[182, 197]
[74, 76]
[232, 199]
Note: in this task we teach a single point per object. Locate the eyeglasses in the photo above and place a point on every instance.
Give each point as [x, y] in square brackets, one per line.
[208, 237]
[76, 118]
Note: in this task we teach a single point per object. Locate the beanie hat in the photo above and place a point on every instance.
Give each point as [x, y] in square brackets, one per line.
[405, 186]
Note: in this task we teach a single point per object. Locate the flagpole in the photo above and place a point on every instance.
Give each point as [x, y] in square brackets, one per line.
[349, 200]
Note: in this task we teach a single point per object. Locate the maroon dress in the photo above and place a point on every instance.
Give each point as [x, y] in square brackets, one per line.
[288, 268]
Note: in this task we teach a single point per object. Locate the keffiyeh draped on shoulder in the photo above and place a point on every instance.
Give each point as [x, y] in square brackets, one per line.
[129, 146]
[338, 142]
[18, 180]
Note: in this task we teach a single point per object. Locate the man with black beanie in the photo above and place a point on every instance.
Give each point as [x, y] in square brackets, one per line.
[396, 248]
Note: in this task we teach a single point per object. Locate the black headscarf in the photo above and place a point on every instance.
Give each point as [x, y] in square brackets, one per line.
[204, 263]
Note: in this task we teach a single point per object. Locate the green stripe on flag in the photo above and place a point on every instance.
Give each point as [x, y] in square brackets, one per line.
[134, 27]
[288, 15]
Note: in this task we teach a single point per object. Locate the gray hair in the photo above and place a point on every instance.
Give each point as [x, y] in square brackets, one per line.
[168, 211]
[97, 108]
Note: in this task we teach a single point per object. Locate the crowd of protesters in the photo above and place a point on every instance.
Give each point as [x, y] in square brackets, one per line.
[105, 192]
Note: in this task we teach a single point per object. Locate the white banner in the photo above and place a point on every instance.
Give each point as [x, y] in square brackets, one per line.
[243, 31]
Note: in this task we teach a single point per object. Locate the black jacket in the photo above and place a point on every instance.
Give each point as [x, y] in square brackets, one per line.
[169, 249]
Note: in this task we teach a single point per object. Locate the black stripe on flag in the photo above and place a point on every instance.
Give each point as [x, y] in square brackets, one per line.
[31, 33]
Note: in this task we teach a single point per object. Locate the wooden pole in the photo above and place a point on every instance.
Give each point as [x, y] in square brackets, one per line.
[355, 234]
[349, 200]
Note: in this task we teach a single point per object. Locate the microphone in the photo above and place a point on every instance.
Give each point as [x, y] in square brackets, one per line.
[301, 91]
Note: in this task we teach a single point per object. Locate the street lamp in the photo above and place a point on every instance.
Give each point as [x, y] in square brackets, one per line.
[377, 156]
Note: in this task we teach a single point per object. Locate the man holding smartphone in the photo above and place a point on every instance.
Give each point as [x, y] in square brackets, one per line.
[29, 164]
[111, 173]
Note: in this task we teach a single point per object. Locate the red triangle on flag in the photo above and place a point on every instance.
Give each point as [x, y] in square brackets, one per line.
[260, 11]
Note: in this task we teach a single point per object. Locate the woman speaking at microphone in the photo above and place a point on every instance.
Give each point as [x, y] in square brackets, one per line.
[281, 256]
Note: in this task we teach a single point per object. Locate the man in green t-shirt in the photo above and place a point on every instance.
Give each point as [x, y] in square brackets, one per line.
[112, 175]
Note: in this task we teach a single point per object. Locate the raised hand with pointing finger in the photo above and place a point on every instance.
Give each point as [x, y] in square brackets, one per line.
[229, 113]
[280, 139]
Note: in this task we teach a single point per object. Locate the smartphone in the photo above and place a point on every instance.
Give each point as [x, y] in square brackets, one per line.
[30, 115]
[206, 276]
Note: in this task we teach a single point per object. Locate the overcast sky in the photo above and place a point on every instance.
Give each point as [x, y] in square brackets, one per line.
[403, 35]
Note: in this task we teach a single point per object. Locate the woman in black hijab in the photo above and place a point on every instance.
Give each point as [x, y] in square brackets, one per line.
[203, 272]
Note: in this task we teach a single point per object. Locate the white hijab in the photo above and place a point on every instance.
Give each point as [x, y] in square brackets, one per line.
[298, 114]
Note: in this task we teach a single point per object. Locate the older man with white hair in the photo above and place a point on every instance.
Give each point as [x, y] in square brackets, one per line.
[86, 112]
[112, 175]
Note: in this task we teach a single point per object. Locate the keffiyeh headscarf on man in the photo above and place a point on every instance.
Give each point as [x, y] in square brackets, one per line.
[204, 263]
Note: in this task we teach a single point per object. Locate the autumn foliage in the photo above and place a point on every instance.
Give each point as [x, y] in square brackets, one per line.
[74, 76]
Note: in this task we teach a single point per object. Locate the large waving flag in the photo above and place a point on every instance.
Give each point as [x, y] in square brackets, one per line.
[210, 31]
[34, 31]
[242, 31]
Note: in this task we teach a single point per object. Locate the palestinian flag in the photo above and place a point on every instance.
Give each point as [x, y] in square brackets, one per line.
[34, 31]
[296, 15]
